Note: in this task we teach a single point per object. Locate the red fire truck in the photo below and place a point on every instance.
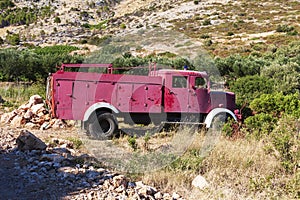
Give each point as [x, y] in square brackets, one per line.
[100, 99]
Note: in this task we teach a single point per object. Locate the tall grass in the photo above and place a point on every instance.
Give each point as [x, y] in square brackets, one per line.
[235, 169]
[15, 94]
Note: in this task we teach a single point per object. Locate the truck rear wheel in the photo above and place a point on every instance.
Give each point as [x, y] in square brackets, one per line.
[219, 121]
[103, 126]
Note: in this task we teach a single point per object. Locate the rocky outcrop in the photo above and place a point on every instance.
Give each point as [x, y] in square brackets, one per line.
[32, 115]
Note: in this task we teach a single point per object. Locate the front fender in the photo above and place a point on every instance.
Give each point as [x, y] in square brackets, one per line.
[97, 106]
[209, 118]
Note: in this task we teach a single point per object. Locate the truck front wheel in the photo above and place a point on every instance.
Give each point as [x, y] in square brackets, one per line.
[103, 126]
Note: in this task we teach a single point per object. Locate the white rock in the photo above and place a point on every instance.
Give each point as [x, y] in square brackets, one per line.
[35, 108]
[31, 125]
[200, 182]
[35, 99]
[17, 121]
[28, 114]
[175, 196]
[158, 195]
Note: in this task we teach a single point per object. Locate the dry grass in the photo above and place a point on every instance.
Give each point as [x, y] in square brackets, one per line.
[239, 169]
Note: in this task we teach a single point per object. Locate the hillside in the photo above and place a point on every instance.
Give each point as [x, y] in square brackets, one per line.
[221, 26]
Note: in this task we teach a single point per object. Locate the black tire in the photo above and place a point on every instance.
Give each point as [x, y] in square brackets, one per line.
[103, 126]
[219, 121]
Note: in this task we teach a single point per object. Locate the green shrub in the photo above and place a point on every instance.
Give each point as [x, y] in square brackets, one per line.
[285, 139]
[204, 36]
[13, 39]
[132, 143]
[6, 4]
[206, 22]
[230, 33]
[286, 76]
[250, 87]
[277, 104]
[260, 124]
[208, 42]
[76, 142]
[95, 40]
[284, 28]
[123, 26]
[57, 20]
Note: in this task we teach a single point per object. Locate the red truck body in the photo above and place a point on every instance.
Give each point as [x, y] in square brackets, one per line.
[165, 95]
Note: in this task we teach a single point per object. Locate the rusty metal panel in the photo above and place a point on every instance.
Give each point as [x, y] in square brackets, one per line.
[79, 99]
[138, 98]
[123, 96]
[154, 98]
[63, 98]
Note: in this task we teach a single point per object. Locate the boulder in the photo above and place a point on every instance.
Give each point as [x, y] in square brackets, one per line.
[200, 182]
[17, 121]
[119, 180]
[27, 141]
[31, 125]
[35, 99]
[37, 108]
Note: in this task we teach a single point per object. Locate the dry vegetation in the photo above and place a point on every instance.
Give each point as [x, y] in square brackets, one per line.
[240, 169]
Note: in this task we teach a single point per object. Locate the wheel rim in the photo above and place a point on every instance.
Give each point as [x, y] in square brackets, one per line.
[105, 125]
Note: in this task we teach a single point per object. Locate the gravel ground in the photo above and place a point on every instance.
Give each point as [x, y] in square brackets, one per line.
[61, 172]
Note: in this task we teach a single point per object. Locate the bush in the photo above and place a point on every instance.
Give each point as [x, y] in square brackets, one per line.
[250, 87]
[33, 65]
[123, 26]
[6, 4]
[285, 141]
[277, 104]
[133, 143]
[236, 66]
[57, 20]
[13, 39]
[260, 124]
[230, 33]
[286, 76]
[284, 28]
[206, 22]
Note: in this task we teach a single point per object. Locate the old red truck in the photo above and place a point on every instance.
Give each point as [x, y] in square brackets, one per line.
[100, 99]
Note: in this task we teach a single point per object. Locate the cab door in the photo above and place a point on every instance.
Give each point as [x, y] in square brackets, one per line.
[198, 95]
[176, 93]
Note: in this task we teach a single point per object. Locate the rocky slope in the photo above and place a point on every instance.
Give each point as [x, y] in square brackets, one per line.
[219, 25]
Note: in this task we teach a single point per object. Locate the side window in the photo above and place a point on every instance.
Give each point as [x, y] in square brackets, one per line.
[200, 82]
[179, 82]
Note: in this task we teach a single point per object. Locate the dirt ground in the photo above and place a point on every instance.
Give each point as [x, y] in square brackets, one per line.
[14, 184]
[27, 175]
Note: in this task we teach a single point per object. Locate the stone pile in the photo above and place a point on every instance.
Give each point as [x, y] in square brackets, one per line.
[75, 175]
[32, 115]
